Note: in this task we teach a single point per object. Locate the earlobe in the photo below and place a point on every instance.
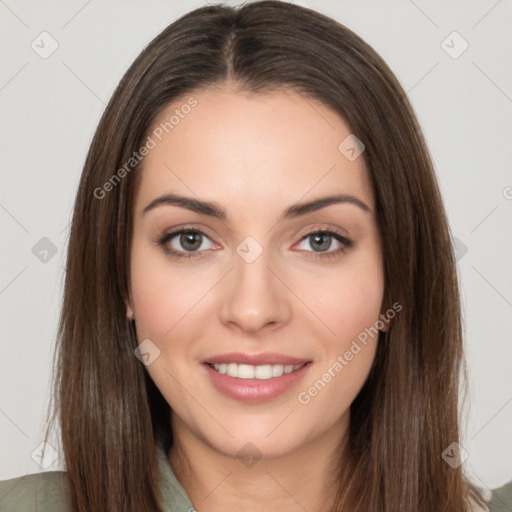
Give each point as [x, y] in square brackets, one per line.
[385, 328]
[129, 311]
[129, 307]
[383, 323]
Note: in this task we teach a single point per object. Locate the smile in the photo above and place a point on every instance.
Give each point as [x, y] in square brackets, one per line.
[255, 383]
[248, 371]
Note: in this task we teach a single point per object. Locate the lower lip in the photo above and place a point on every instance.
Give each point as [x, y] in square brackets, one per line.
[255, 390]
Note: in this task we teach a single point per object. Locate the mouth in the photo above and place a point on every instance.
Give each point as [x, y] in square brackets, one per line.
[260, 372]
[255, 377]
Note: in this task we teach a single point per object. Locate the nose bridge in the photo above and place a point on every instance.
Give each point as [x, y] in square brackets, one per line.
[255, 297]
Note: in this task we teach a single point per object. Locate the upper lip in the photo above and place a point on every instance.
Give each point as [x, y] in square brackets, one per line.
[255, 359]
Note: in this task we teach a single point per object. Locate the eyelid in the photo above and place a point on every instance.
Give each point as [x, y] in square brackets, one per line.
[170, 232]
[314, 228]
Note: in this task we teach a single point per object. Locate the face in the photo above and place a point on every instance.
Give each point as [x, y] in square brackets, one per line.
[255, 306]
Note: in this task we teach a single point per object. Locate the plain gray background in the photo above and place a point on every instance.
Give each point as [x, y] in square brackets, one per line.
[50, 108]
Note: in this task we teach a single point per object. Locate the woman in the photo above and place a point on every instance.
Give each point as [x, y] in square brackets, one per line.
[261, 307]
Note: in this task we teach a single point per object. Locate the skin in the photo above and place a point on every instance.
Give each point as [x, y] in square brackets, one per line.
[255, 156]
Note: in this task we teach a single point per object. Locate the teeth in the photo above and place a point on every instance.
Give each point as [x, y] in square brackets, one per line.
[245, 371]
[248, 371]
[277, 370]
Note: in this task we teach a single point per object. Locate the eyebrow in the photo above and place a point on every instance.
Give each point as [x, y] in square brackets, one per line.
[214, 210]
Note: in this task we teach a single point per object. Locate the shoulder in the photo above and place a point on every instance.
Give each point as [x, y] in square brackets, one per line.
[48, 492]
[42, 492]
[501, 499]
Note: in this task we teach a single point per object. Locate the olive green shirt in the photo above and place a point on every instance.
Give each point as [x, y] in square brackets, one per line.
[48, 492]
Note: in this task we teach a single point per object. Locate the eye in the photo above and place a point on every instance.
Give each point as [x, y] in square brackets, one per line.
[322, 241]
[189, 243]
[185, 243]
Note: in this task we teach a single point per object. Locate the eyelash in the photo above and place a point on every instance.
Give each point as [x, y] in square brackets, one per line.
[346, 244]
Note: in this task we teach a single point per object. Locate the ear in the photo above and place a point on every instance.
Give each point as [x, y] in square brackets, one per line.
[385, 322]
[129, 307]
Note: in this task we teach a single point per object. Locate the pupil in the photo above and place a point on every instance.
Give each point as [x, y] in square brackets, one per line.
[188, 238]
[317, 239]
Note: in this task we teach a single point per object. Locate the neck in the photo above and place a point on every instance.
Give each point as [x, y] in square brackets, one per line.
[305, 478]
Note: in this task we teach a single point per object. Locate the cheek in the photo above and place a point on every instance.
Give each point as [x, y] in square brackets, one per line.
[167, 300]
[165, 295]
[349, 304]
[346, 359]
[330, 391]
[347, 300]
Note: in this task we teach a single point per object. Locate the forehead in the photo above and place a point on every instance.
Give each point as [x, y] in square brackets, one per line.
[250, 151]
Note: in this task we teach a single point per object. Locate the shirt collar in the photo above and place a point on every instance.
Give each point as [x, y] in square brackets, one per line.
[174, 497]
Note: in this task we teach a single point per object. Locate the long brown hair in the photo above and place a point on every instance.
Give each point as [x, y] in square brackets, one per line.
[111, 414]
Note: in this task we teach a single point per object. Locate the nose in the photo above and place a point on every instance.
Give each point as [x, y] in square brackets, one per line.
[254, 298]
